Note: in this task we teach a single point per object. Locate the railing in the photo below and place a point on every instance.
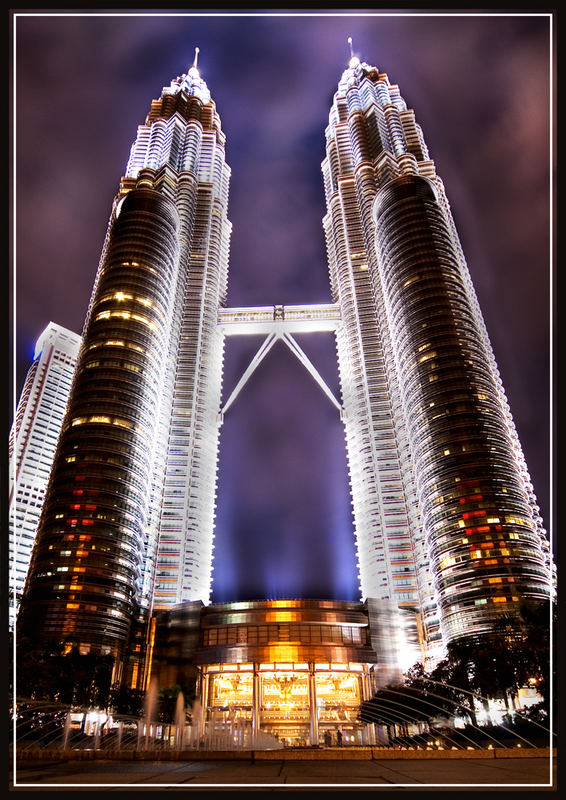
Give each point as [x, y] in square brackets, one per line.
[260, 319]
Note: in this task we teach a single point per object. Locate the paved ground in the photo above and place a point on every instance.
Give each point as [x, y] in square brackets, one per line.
[509, 774]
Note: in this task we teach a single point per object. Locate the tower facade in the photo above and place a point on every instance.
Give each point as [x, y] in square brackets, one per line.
[33, 439]
[136, 461]
[445, 517]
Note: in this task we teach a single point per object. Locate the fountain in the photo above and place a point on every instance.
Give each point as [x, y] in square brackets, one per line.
[194, 735]
[150, 704]
[66, 731]
[180, 718]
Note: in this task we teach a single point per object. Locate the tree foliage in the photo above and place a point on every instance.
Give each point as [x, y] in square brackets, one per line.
[126, 702]
[56, 675]
[494, 665]
[513, 654]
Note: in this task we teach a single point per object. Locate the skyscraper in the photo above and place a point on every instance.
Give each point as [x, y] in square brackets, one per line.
[447, 528]
[33, 439]
[445, 516]
[137, 455]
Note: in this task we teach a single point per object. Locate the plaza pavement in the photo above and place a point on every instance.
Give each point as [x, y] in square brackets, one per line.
[365, 769]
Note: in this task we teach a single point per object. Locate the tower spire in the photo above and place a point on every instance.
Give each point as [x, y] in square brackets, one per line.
[354, 61]
[193, 72]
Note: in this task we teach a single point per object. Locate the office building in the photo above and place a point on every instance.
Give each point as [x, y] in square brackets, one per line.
[137, 456]
[445, 515]
[33, 439]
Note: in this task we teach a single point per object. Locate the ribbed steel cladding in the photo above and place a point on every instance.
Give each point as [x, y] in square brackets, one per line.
[94, 516]
[464, 462]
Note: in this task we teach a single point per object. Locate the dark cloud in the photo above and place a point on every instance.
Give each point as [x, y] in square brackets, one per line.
[479, 87]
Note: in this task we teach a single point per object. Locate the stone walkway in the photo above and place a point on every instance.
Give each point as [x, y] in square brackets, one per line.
[278, 773]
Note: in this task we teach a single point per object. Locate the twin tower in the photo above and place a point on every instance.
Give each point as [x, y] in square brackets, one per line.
[446, 521]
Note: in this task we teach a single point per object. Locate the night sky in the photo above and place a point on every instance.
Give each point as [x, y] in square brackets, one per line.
[480, 88]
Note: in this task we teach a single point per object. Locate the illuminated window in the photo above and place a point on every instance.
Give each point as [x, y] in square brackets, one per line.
[122, 423]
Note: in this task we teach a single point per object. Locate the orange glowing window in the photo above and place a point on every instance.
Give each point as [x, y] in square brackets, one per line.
[72, 605]
[468, 514]
[75, 507]
[472, 498]
[87, 522]
[72, 521]
[480, 529]
[486, 545]
[82, 552]
[90, 507]
[499, 599]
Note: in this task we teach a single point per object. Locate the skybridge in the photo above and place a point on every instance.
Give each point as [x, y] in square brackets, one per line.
[279, 323]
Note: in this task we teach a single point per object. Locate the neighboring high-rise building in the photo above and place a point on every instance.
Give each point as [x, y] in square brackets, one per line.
[447, 528]
[33, 439]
